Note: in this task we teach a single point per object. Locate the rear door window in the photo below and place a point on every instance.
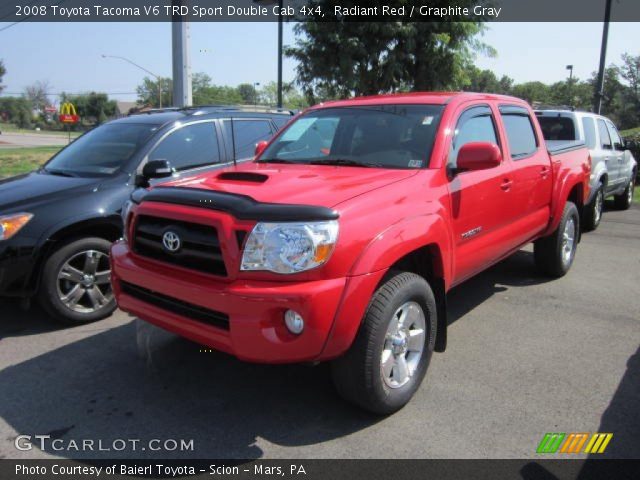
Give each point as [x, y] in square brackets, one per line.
[520, 133]
[589, 127]
[605, 139]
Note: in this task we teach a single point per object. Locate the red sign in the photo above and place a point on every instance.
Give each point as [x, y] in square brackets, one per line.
[50, 109]
[69, 118]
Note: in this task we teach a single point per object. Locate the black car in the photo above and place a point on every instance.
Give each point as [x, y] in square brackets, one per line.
[57, 223]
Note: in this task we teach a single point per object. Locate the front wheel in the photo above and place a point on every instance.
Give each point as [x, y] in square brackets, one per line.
[391, 353]
[75, 287]
[554, 254]
[625, 199]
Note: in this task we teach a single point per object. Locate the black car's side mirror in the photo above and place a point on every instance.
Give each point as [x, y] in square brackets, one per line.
[153, 169]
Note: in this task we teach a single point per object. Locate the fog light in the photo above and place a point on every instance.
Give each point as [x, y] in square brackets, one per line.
[294, 322]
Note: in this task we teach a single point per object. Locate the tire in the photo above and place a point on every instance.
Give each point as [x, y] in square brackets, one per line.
[624, 200]
[372, 374]
[70, 277]
[554, 254]
[593, 211]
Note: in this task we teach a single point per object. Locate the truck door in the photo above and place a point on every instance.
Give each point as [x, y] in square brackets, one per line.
[532, 174]
[608, 154]
[480, 200]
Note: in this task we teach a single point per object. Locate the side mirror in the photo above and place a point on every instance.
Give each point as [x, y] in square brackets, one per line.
[621, 147]
[153, 169]
[260, 146]
[478, 156]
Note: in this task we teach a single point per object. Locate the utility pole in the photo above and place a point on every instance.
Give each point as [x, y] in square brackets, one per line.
[180, 40]
[570, 85]
[603, 56]
[280, 54]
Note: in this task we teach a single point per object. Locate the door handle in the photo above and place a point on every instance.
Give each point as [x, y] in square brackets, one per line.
[544, 172]
[506, 184]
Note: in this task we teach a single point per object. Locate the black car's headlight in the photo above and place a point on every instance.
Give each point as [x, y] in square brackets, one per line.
[11, 224]
[289, 247]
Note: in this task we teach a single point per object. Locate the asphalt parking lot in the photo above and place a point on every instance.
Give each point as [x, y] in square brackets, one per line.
[526, 356]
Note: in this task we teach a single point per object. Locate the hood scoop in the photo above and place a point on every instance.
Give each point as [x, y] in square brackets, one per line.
[243, 177]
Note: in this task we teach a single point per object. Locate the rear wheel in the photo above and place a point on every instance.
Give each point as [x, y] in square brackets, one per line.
[391, 353]
[625, 199]
[554, 254]
[75, 287]
[593, 212]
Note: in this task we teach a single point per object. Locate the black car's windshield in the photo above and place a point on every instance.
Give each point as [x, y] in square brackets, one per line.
[101, 151]
[388, 136]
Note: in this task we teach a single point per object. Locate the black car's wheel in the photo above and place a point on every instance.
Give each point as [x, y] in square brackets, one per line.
[391, 353]
[554, 254]
[625, 199]
[75, 286]
[593, 211]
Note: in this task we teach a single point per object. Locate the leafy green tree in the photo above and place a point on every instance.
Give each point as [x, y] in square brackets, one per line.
[340, 59]
[485, 81]
[91, 106]
[3, 70]
[291, 97]
[16, 110]
[148, 92]
[247, 93]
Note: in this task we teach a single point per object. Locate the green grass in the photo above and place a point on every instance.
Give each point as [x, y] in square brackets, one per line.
[636, 195]
[14, 161]
[11, 128]
[630, 132]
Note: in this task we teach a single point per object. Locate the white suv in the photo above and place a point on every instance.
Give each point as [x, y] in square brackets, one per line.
[613, 168]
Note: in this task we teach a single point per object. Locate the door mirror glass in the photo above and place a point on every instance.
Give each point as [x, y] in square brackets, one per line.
[478, 156]
[260, 146]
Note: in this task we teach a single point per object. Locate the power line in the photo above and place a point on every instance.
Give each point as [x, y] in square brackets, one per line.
[82, 94]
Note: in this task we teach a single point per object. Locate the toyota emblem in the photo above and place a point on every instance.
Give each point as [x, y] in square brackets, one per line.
[171, 241]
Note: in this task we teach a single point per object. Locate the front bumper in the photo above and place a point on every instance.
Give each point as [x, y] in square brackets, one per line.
[17, 260]
[255, 330]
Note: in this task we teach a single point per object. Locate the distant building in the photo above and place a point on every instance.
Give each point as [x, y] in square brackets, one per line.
[123, 108]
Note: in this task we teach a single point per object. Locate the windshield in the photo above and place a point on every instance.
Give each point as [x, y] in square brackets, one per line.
[101, 151]
[386, 136]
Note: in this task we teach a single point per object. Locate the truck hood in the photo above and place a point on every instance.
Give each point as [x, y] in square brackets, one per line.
[26, 191]
[320, 185]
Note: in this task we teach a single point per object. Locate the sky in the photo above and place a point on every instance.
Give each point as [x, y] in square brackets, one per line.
[68, 55]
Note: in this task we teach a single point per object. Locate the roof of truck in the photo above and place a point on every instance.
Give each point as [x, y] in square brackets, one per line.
[433, 98]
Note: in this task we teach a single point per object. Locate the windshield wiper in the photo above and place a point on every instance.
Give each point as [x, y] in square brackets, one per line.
[343, 162]
[61, 173]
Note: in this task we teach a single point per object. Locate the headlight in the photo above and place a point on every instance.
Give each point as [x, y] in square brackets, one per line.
[11, 224]
[289, 247]
[126, 208]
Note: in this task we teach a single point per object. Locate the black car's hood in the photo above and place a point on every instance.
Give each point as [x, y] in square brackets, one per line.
[34, 188]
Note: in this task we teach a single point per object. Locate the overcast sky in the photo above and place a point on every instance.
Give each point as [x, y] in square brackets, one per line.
[68, 55]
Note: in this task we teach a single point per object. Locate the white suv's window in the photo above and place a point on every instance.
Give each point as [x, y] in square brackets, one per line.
[605, 139]
[615, 137]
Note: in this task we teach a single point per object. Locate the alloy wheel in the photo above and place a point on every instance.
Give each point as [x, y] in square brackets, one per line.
[84, 282]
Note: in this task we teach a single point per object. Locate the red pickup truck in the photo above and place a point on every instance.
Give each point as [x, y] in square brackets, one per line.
[341, 240]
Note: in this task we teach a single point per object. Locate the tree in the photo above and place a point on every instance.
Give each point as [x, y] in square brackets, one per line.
[340, 59]
[247, 93]
[486, 81]
[37, 94]
[148, 92]
[3, 70]
[291, 97]
[16, 110]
